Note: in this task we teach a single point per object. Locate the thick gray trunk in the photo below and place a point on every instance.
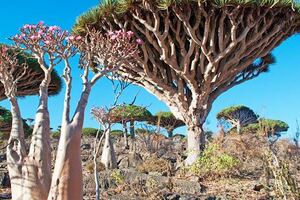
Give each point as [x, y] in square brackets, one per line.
[195, 143]
[108, 153]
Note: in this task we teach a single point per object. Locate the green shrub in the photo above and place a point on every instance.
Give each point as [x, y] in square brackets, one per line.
[116, 133]
[90, 132]
[214, 163]
[117, 177]
[55, 134]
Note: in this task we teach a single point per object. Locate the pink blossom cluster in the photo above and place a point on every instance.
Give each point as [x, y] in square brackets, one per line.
[122, 34]
[4, 49]
[74, 38]
[39, 34]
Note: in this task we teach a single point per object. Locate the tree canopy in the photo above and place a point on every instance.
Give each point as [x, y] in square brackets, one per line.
[237, 116]
[193, 51]
[126, 113]
[268, 127]
[30, 82]
[166, 120]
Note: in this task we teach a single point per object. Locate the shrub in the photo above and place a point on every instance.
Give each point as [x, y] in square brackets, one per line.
[90, 167]
[116, 133]
[154, 164]
[214, 163]
[90, 132]
[117, 177]
[55, 134]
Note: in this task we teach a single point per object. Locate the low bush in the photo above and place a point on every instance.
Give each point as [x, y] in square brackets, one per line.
[90, 167]
[154, 164]
[91, 132]
[55, 134]
[213, 162]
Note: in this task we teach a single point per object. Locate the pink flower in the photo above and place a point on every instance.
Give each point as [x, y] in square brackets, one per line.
[47, 42]
[70, 38]
[20, 37]
[110, 33]
[130, 33]
[41, 23]
[54, 28]
[78, 37]
[26, 26]
[139, 41]
[33, 37]
[113, 37]
[40, 32]
[4, 49]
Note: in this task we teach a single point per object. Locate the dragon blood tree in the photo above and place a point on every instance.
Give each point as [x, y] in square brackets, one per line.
[194, 51]
[129, 113]
[166, 120]
[30, 172]
[237, 116]
[30, 82]
[6, 124]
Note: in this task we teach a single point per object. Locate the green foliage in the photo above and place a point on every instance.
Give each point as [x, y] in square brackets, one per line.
[165, 114]
[34, 67]
[107, 8]
[55, 134]
[90, 132]
[129, 113]
[267, 127]
[117, 177]
[5, 115]
[230, 111]
[5, 124]
[116, 133]
[213, 162]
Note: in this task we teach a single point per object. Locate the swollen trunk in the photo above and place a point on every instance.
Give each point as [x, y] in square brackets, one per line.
[108, 154]
[67, 175]
[196, 143]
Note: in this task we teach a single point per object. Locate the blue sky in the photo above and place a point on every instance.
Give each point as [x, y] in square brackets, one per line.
[273, 95]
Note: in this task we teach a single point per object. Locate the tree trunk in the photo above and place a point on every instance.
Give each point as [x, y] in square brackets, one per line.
[132, 134]
[126, 146]
[170, 133]
[238, 127]
[31, 174]
[108, 153]
[39, 155]
[67, 181]
[132, 137]
[195, 143]
[67, 176]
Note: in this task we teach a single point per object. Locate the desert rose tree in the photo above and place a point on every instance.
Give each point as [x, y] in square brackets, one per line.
[194, 51]
[237, 117]
[31, 172]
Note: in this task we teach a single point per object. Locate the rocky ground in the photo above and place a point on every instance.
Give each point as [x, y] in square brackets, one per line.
[154, 171]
